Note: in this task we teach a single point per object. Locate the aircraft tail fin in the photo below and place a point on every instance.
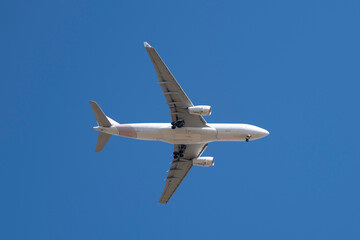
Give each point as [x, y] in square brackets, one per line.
[103, 138]
[103, 121]
[101, 118]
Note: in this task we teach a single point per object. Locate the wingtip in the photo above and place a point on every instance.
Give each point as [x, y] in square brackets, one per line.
[92, 102]
[147, 45]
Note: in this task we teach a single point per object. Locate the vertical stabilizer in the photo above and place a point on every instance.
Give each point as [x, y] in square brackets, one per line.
[101, 119]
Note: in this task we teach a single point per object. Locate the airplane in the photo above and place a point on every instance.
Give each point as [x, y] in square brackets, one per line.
[188, 130]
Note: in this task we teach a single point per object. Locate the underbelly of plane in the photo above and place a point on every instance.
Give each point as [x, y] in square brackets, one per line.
[189, 135]
[183, 135]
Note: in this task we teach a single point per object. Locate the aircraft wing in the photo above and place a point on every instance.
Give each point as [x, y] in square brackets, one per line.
[176, 98]
[180, 168]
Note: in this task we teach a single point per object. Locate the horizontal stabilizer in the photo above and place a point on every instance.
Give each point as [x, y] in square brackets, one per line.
[101, 119]
[103, 138]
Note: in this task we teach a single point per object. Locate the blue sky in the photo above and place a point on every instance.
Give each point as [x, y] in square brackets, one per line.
[291, 67]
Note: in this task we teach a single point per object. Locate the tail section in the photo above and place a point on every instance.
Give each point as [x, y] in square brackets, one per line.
[103, 138]
[103, 121]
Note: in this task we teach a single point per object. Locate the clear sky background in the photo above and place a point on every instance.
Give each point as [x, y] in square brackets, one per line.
[291, 67]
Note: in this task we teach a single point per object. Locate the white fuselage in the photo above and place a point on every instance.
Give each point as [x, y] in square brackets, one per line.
[186, 135]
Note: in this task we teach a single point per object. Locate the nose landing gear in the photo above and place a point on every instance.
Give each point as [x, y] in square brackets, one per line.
[248, 137]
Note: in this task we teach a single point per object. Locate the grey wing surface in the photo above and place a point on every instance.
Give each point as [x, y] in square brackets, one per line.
[176, 98]
[180, 167]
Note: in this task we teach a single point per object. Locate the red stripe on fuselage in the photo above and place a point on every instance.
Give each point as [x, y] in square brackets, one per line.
[126, 130]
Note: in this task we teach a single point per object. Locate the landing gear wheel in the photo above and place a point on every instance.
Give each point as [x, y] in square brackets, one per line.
[179, 123]
[181, 150]
[173, 127]
[248, 137]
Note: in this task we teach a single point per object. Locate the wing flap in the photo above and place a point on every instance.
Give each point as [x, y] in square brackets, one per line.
[180, 167]
[175, 96]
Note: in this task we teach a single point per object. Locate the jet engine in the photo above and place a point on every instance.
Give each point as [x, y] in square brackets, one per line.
[200, 110]
[204, 161]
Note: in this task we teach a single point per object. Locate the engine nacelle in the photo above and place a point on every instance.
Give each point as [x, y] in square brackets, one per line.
[204, 161]
[200, 110]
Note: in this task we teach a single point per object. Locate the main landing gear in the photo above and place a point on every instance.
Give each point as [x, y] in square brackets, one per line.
[248, 137]
[180, 153]
[178, 124]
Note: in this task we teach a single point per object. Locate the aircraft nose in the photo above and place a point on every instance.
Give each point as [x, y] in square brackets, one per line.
[265, 132]
[262, 132]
